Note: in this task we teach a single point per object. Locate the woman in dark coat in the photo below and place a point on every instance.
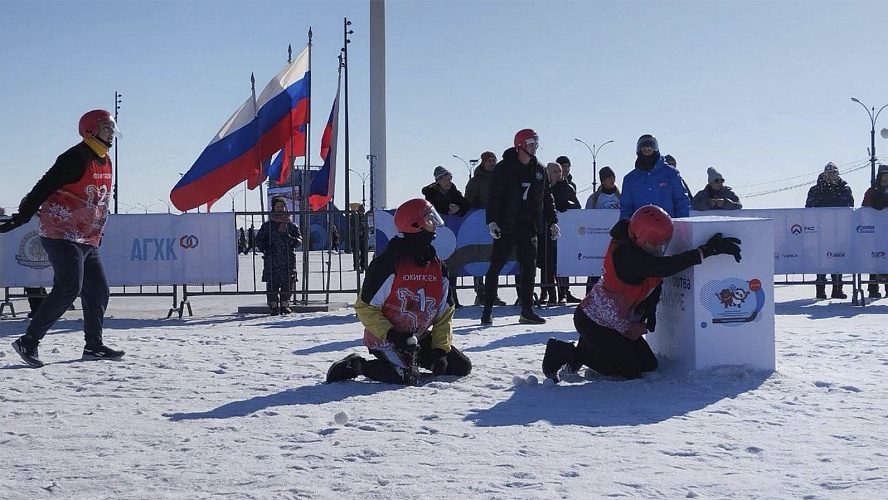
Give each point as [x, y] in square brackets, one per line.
[277, 239]
[830, 191]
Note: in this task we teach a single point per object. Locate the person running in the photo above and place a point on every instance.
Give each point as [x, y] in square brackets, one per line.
[404, 307]
[72, 198]
[622, 306]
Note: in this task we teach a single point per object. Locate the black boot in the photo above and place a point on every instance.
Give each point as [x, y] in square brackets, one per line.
[273, 308]
[873, 289]
[346, 368]
[821, 291]
[837, 293]
[485, 316]
[558, 354]
[528, 317]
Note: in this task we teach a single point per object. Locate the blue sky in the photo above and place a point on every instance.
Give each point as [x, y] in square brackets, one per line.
[759, 90]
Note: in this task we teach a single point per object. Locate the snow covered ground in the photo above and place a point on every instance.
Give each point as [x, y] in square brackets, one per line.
[226, 406]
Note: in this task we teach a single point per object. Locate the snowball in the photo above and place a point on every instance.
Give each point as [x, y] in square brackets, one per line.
[532, 380]
[518, 380]
[547, 382]
[341, 418]
[884, 133]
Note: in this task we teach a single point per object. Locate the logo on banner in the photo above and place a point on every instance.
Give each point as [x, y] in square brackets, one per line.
[583, 230]
[866, 229]
[31, 252]
[189, 241]
[732, 301]
[835, 255]
[878, 255]
[798, 229]
[153, 249]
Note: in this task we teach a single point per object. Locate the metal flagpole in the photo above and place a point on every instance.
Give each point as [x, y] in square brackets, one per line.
[261, 191]
[117, 102]
[303, 194]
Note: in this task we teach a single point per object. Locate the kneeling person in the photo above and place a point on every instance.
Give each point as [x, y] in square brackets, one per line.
[622, 306]
[404, 307]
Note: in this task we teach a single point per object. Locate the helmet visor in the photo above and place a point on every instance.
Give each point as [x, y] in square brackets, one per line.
[108, 125]
[432, 219]
[655, 249]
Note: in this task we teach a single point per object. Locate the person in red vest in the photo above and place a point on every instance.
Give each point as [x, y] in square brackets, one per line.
[72, 198]
[622, 306]
[404, 307]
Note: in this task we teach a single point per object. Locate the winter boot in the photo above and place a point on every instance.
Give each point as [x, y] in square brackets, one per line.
[873, 289]
[837, 293]
[558, 354]
[101, 352]
[345, 369]
[485, 316]
[528, 317]
[821, 291]
[479, 299]
[29, 354]
[273, 308]
[500, 302]
[285, 307]
[571, 299]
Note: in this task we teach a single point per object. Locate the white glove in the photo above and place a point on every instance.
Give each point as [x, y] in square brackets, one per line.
[495, 230]
[556, 232]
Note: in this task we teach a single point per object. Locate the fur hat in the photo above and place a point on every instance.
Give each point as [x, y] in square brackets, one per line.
[441, 172]
[606, 172]
[714, 174]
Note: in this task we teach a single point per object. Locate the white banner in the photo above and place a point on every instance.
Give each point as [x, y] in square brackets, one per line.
[584, 240]
[137, 249]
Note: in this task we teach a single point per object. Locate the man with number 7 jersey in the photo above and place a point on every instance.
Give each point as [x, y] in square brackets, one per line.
[72, 198]
[405, 308]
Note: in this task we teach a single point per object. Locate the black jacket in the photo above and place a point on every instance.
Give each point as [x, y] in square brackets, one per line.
[68, 169]
[478, 188]
[441, 200]
[826, 194]
[512, 181]
[565, 196]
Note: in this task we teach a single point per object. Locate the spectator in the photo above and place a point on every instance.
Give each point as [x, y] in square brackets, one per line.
[830, 191]
[546, 246]
[251, 239]
[877, 197]
[653, 182]
[520, 206]
[444, 195]
[715, 196]
[334, 237]
[73, 202]
[608, 194]
[447, 199]
[277, 239]
[241, 241]
[670, 160]
[409, 325]
[477, 191]
[565, 173]
[565, 196]
[622, 307]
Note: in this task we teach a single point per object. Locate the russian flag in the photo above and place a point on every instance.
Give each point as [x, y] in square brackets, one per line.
[321, 191]
[280, 167]
[284, 112]
[229, 159]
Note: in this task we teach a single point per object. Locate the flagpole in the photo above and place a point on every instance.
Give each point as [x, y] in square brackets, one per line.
[259, 160]
[303, 194]
[344, 64]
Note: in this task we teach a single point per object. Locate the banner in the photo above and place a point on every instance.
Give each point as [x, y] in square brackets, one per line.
[137, 249]
[584, 240]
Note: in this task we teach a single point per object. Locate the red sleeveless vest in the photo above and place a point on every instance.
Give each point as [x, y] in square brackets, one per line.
[77, 212]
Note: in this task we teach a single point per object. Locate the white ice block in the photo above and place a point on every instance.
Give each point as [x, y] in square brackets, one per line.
[719, 312]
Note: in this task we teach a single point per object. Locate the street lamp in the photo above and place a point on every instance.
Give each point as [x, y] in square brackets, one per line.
[467, 165]
[169, 210]
[363, 185]
[594, 150]
[873, 116]
[144, 206]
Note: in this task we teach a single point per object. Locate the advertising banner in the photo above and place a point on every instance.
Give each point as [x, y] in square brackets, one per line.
[137, 249]
[584, 239]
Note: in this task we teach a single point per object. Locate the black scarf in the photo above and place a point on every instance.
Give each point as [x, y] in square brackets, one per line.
[646, 163]
[417, 246]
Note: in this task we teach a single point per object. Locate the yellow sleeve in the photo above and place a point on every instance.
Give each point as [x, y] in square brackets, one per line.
[442, 330]
[372, 318]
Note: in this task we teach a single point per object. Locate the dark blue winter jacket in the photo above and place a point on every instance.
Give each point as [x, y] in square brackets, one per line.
[827, 194]
[660, 186]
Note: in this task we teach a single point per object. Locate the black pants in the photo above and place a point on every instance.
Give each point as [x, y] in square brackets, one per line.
[382, 369]
[524, 241]
[607, 352]
[35, 297]
[276, 292]
[836, 281]
[77, 271]
[876, 279]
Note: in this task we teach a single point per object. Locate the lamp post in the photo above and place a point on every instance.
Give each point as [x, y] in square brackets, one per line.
[117, 101]
[168, 204]
[469, 168]
[144, 206]
[363, 185]
[873, 116]
[594, 151]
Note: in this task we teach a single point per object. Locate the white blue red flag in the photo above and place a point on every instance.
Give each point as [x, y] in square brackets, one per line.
[323, 184]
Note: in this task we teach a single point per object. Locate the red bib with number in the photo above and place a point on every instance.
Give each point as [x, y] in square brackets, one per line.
[77, 212]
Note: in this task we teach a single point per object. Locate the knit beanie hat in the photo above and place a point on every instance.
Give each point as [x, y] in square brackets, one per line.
[441, 172]
[606, 172]
[830, 166]
[562, 160]
[713, 174]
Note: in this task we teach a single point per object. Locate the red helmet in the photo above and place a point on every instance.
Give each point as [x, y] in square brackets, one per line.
[651, 224]
[415, 215]
[523, 135]
[91, 121]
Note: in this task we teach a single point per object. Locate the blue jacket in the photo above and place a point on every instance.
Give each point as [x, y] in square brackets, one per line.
[660, 186]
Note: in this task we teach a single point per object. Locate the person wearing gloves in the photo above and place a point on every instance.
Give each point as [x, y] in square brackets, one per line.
[277, 239]
[877, 197]
[404, 307]
[520, 206]
[715, 196]
[830, 191]
[622, 306]
[653, 182]
[73, 201]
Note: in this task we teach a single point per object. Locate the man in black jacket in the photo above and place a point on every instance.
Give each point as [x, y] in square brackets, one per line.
[519, 206]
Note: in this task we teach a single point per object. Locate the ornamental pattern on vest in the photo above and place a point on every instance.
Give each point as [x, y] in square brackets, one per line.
[77, 212]
[416, 295]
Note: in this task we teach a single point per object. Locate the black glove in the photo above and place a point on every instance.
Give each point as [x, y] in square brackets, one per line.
[439, 362]
[15, 221]
[717, 245]
[398, 338]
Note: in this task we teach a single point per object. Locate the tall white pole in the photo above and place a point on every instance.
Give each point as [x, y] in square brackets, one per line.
[377, 104]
